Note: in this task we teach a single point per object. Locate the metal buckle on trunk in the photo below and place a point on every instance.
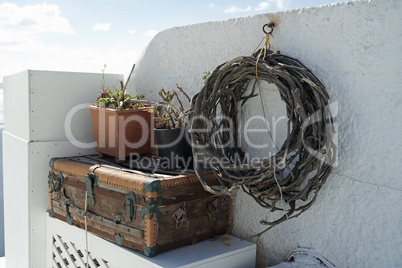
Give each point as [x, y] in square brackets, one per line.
[56, 185]
[67, 203]
[69, 219]
[119, 238]
[130, 206]
[90, 181]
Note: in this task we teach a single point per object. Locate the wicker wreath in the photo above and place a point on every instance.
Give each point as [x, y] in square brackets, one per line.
[302, 164]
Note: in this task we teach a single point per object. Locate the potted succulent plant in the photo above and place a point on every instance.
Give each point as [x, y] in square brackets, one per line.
[172, 137]
[120, 125]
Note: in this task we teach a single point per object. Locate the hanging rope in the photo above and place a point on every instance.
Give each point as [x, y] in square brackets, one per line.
[86, 229]
[266, 47]
[288, 181]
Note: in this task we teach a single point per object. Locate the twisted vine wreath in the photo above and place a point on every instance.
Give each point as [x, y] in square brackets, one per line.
[288, 181]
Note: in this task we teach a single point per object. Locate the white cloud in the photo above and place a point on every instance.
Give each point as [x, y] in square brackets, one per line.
[22, 47]
[235, 9]
[211, 5]
[132, 31]
[33, 19]
[280, 5]
[262, 6]
[65, 58]
[101, 27]
[20, 27]
[151, 33]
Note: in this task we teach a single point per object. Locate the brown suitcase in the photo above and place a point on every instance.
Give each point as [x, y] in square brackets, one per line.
[148, 213]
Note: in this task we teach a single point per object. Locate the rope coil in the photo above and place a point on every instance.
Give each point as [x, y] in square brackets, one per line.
[284, 181]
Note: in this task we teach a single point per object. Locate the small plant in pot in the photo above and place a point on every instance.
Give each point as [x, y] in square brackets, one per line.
[121, 126]
[172, 137]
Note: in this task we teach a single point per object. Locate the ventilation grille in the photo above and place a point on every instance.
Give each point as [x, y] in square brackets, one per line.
[66, 254]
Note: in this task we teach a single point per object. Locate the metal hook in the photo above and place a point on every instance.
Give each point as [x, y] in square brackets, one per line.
[269, 25]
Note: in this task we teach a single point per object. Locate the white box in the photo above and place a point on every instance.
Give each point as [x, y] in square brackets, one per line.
[38, 102]
[204, 254]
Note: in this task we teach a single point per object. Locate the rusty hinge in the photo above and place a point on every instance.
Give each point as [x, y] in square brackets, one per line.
[118, 218]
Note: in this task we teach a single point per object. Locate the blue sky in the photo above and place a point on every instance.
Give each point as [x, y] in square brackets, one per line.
[82, 36]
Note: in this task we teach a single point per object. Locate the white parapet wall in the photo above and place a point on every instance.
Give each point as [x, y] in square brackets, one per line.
[43, 112]
[354, 48]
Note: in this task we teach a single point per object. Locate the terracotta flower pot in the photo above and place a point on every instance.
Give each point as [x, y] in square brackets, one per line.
[121, 133]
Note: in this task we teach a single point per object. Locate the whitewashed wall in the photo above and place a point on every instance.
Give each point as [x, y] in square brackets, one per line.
[354, 48]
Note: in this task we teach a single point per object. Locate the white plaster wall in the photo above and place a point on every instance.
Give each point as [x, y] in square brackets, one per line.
[354, 48]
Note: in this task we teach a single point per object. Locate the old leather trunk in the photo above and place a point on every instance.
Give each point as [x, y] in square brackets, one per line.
[147, 213]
